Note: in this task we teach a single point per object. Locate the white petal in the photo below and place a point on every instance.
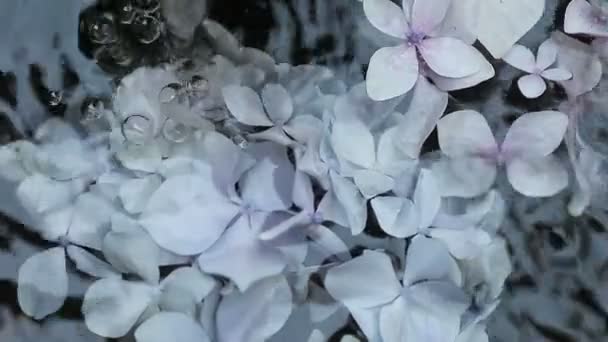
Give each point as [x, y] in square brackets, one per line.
[190, 229]
[503, 23]
[274, 134]
[277, 102]
[531, 86]
[392, 71]
[364, 282]
[464, 177]
[386, 17]
[372, 183]
[428, 14]
[547, 54]
[392, 321]
[304, 127]
[486, 72]
[56, 224]
[91, 220]
[581, 17]
[463, 59]
[368, 319]
[396, 216]
[428, 259]
[463, 243]
[11, 167]
[238, 315]
[521, 58]
[245, 105]
[189, 280]
[557, 74]
[133, 253]
[461, 21]
[427, 198]
[228, 161]
[354, 204]
[474, 333]
[260, 190]
[43, 283]
[332, 210]
[542, 177]
[317, 336]
[535, 134]
[427, 105]
[465, 133]
[39, 194]
[135, 193]
[146, 158]
[580, 59]
[360, 151]
[170, 326]
[90, 264]
[329, 242]
[112, 306]
[303, 196]
[241, 257]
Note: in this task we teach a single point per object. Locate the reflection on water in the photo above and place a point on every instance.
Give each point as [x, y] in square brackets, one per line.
[60, 58]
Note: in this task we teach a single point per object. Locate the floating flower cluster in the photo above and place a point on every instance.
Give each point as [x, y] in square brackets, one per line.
[216, 200]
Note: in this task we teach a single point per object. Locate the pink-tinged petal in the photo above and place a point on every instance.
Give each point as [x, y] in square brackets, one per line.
[521, 57]
[547, 54]
[386, 17]
[392, 71]
[531, 86]
[581, 60]
[465, 133]
[582, 17]
[461, 21]
[502, 23]
[464, 177]
[450, 57]
[535, 134]
[557, 74]
[428, 14]
[485, 73]
[541, 177]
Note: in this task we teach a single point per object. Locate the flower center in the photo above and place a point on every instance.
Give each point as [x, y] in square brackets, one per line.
[316, 218]
[414, 38]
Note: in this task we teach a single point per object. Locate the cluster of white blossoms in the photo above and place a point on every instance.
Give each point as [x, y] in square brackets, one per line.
[257, 185]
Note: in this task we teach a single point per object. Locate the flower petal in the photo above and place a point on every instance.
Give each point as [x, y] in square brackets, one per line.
[90, 221]
[170, 326]
[486, 72]
[372, 183]
[547, 54]
[39, 194]
[465, 133]
[354, 204]
[539, 177]
[464, 177]
[535, 134]
[364, 282]
[450, 57]
[392, 71]
[428, 14]
[386, 17]
[135, 193]
[396, 216]
[277, 102]
[360, 151]
[427, 198]
[43, 283]
[238, 315]
[392, 321]
[241, 257]
[112, 306]
[89, 263]
[521, 57]
[245, 105]
[581, 17]
[259, 188]
[428, 259]
[557, 74]
[463, 244]
[532, 86]
[133, 252]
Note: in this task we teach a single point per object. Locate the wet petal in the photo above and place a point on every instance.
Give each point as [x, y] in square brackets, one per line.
[392, 71]
[450, 57]
[532, 86]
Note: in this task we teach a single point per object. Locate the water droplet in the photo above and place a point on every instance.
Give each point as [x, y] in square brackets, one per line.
[92, 109]
[147, 28]
[150, 6]
[175, 132]
[137, 129]
[101, 29]
[119, 54]
[198, 84]
[169, 92]
[55, 98]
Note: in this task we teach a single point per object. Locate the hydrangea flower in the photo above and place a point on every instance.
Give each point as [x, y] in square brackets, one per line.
[533, 85]
[473, 155]
[393, 71]
[587, 17]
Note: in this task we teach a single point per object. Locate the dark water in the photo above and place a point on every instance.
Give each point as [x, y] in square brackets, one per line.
[51, 62]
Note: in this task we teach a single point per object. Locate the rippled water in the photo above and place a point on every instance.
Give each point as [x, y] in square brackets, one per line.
[57, 54]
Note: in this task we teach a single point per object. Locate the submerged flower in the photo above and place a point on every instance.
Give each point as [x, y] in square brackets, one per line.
[393, 71]
[533, 85]
[473, 154]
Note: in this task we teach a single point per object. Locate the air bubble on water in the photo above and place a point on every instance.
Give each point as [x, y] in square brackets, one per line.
[127, 14]
[175, 131]
[169, 92]
[147, 28]
[101, 30]
[137, 129]
[55, 98]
